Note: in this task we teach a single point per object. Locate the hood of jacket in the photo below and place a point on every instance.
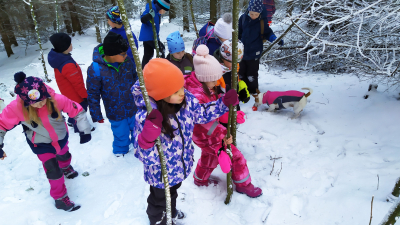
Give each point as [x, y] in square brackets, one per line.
[58, 59]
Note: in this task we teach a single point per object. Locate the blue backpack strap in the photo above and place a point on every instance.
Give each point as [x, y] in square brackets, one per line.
[96, 69]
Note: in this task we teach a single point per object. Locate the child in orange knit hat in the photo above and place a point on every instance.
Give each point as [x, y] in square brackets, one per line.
[175, 112]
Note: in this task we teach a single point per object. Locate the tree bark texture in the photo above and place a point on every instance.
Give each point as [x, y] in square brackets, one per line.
[6, 24]
[213, 11]
[185, 15]
[172, 11]
[76, 25]
[193, 18]
[67, 22]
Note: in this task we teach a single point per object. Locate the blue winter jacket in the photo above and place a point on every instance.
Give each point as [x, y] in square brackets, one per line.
[122, 32]
[146, 31]
[179, 150]
[112, 85]
[213, 42]
[250, 35]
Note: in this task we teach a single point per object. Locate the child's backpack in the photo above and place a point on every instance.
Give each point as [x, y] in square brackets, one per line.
[202, 40]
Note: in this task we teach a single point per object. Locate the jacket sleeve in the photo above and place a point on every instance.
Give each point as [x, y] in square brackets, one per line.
[207, 112]
[72, 73]
[136, 41]
[240, 27]
[267, 31]
[8, 119]
[94, 86]
[74, 110]
[146, 17]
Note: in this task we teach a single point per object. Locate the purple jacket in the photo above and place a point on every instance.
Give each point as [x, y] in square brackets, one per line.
[179, 150]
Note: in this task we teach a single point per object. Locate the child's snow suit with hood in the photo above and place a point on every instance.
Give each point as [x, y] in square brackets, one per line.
[69, 79]
[209, 138]
[48, 140]
[104, 81]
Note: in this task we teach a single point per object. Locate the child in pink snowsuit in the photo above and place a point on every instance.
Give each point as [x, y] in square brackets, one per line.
[39, 109]
[210, 137]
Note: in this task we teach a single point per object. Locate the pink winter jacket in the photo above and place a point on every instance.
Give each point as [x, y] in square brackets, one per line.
[208, 135]
[51, 130]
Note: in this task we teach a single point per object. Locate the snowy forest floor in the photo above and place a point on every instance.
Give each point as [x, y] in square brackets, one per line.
[328, 167]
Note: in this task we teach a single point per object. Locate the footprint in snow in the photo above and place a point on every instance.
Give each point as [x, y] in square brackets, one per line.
[297, 205]
[112, 209]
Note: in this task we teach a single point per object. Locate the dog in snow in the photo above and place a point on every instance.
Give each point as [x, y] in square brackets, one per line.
[2, 105]
[283, 100]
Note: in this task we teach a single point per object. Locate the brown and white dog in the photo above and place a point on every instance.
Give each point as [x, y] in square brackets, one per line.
[2, 105]
[283, 100]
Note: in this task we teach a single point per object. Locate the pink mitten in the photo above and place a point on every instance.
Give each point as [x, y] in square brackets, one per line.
[239, 119]
[231, 98]
[151, 129]
[224, 162]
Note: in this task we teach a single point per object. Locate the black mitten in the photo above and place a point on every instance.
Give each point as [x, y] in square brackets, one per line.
[243, 96]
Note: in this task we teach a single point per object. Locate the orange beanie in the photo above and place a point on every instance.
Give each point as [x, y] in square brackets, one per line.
[162, 78]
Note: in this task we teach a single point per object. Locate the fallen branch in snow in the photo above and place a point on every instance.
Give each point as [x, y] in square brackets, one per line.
[394, 212]
[273, 165]
[279, 173]
[372, 202]
[378, 182]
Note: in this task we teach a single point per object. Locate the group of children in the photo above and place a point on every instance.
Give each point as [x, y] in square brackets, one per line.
[189, 94]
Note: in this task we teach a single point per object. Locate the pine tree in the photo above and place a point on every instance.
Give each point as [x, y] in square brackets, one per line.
[135, 53]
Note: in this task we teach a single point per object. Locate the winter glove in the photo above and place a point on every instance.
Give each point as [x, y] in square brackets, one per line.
[243, 96]
[152, 13]
[230, 98]
[151, 129]
[272, 38]
[101, 121]
[2, 153]
[85, 138]
[161, 47]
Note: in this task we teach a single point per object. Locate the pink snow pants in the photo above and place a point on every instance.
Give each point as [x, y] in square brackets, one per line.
[209, 161]
[53, 164]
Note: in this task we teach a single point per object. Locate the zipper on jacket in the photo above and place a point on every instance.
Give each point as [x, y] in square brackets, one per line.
[183, 144]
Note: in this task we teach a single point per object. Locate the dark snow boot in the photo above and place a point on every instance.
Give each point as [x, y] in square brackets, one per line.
[179, 215]
[69, 172]
[70, 124]
[66, 204]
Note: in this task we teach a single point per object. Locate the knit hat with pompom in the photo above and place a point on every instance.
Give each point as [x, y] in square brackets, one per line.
[206, 67]
[30, 89]
[162, 78]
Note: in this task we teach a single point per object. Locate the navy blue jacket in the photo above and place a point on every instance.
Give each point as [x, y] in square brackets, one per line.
[250, 35]
[112, 85]
[122, 32]
[213, 43]
[146, 31]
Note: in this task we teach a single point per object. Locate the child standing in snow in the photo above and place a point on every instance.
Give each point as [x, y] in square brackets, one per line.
[211, 137]
[175, 113]
[110, 77]
[39, 109]
[159, 7]
[253, 30]
[67, 72]
[177, 54]
[114, 20]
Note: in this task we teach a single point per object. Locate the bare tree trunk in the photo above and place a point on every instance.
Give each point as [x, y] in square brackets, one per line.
[5, 20]
[57, 18]
[31, 25]
[194, 20]
[39, 42]
[114, 2]
[213, 11]
[76, 25]
[5, 40]
[135, 53]
[172, 11]
[232, 109]
[66, 20]
[154, 31]
[185, 16]
[96, 21]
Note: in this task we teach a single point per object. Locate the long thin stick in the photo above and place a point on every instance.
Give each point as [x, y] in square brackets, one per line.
[372, 202]
[148, 106]
[194, 20]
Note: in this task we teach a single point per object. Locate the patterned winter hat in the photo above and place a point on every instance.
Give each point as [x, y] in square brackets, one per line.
[114, 15]
[163, 4]
[256, 6]
[226, 50]
[175, 42]
[31, 90]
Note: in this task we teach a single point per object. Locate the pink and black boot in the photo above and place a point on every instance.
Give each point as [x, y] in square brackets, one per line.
[249, 190]
[66, 204]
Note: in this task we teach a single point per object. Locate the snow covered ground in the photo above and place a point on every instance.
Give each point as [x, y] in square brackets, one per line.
[327, 169]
